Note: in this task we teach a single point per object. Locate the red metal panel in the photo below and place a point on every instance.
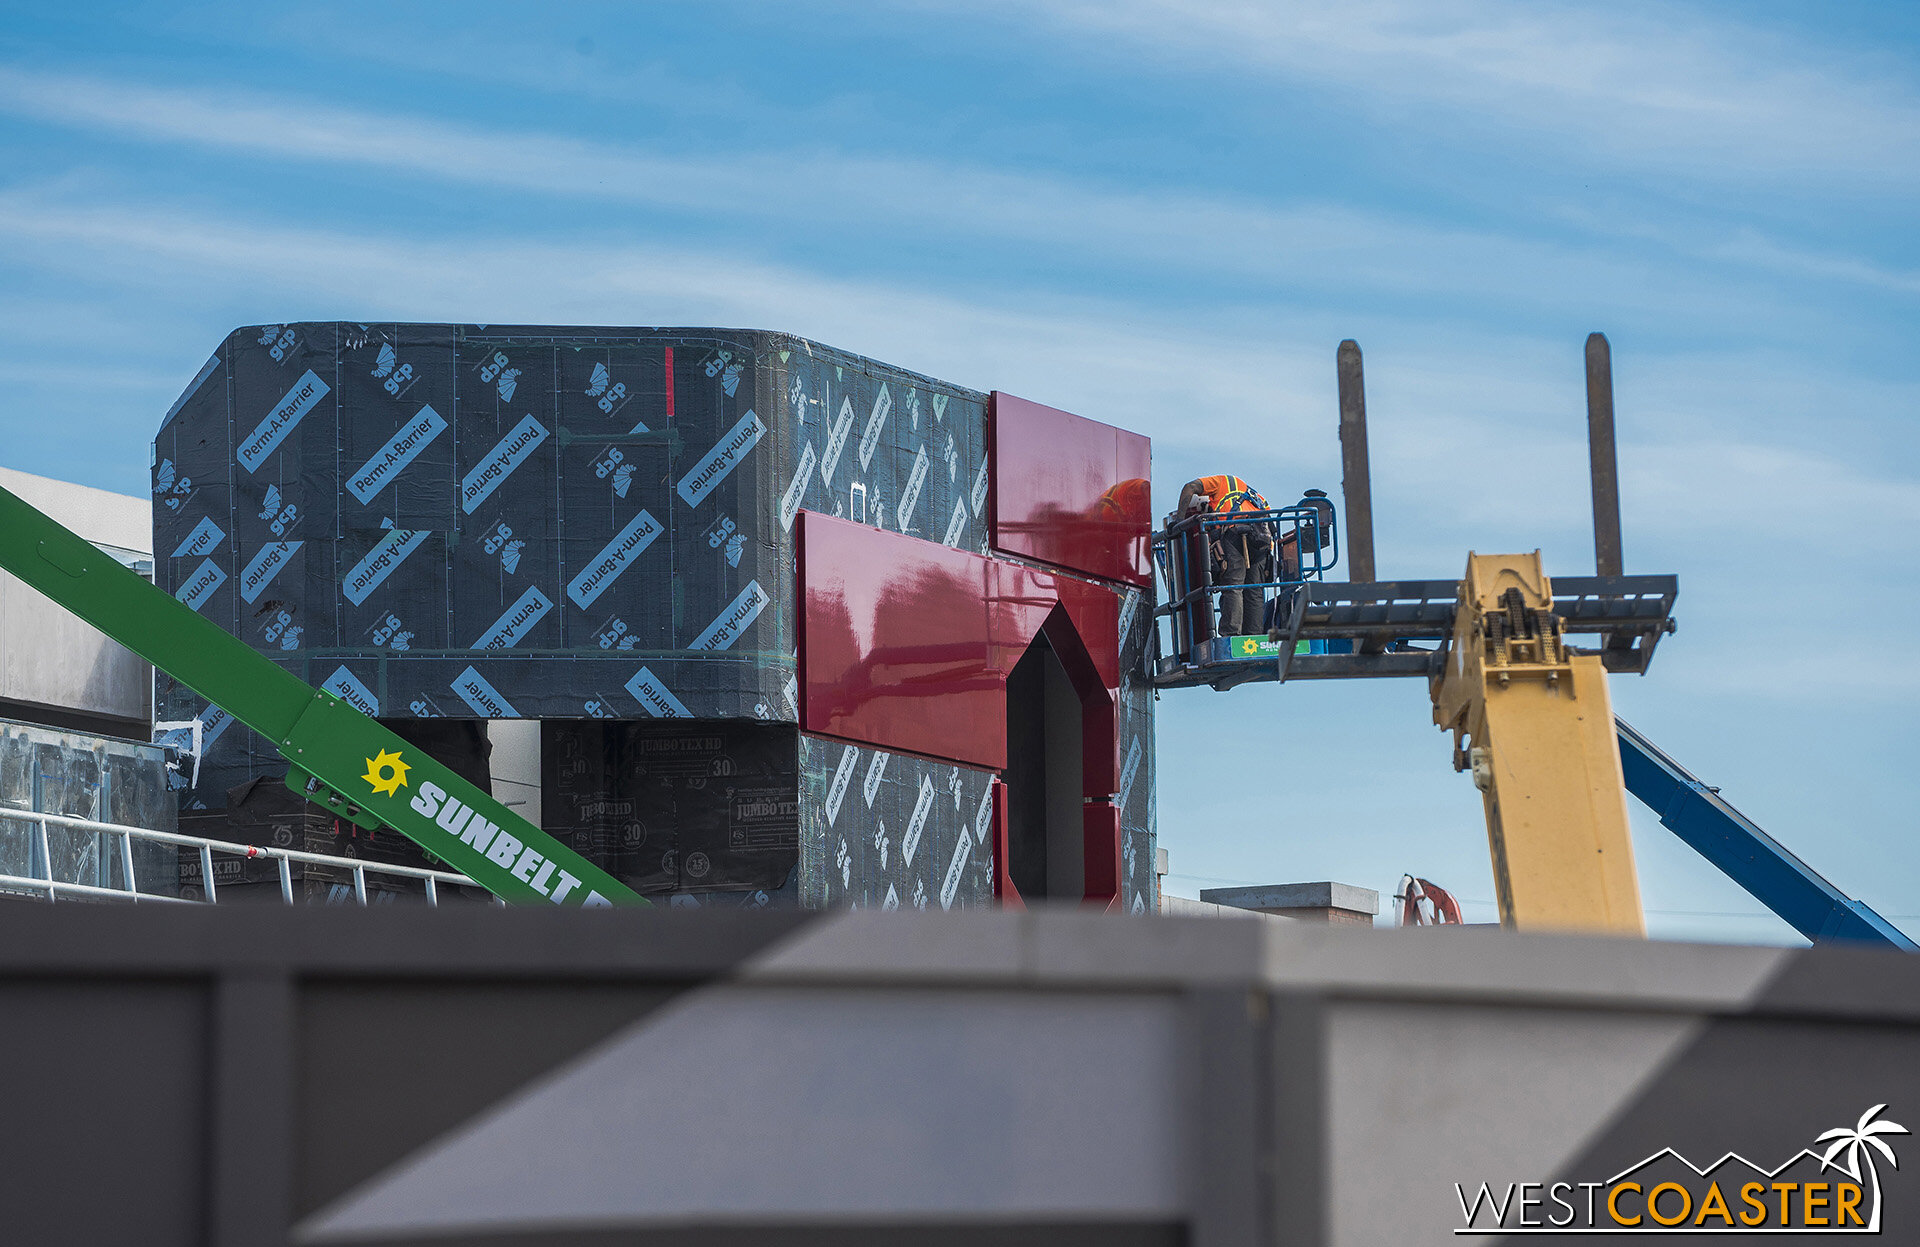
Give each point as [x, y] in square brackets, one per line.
[898, 643]
[1101, 845]
[906, 645]
[1003, 889]
[1070, 491]
[1093, 612]
[1095, 676]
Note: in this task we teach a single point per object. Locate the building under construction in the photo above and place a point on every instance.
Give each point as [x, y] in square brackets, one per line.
[443, 618]
[782, 614]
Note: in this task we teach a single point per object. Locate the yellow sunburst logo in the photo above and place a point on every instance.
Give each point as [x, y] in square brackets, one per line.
[394, 777]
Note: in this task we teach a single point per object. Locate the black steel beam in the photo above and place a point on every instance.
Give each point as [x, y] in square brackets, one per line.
[1356, 480]
[1601, 458]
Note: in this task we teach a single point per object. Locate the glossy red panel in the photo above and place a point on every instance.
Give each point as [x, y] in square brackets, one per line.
[1070, 491]
[1065, 628]
[1082, 623]
[906, 645]
[1004, 890]
[897, 643]
[1101, 849]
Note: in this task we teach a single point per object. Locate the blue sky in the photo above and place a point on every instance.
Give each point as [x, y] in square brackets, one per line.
[1161, 214]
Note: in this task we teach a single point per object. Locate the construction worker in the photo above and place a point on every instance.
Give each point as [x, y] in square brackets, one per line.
[1242, 553]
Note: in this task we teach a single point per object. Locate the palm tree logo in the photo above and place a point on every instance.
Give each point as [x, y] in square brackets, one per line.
[1856, 1141]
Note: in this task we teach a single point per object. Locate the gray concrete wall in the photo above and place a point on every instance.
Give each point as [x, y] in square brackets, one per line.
[862, 1077]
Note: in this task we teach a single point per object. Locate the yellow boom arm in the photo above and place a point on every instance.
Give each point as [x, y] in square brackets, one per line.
[1534, 724]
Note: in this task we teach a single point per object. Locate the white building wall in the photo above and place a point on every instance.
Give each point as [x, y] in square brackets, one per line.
[516, 765]
[48, 658]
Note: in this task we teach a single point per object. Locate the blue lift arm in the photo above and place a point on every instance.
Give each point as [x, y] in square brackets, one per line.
[1748, 855]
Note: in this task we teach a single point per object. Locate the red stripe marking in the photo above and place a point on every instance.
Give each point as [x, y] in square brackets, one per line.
[669, 383]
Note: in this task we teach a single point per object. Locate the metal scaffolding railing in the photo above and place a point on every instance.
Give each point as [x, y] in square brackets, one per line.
[41, 881]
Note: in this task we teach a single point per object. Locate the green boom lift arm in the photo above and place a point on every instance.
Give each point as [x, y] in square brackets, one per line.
[338, 757]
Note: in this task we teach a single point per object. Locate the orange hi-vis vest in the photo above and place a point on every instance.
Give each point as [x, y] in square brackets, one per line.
[1228, 495]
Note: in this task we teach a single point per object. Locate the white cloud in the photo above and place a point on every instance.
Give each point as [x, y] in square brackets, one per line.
[1649, 88]
[1300, 250]
[852, 193]
[1478, 440]
[1752, 249]
[308, 131]
[1072, 352]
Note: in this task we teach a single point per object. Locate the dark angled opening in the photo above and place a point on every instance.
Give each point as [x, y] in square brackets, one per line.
[1045, 736]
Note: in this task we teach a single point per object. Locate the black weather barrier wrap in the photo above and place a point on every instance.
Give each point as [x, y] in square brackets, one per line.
[526, 522]
[889, 831]
[677, 806]
[581, 524]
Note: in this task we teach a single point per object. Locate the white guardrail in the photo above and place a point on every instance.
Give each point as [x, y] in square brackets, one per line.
[46, 886]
